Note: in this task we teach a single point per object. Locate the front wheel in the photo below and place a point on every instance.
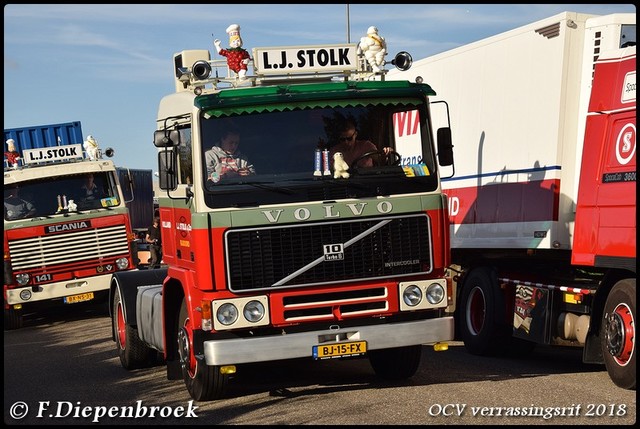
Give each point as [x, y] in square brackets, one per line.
[619, 334]
[133, 352]
[204, 382]
[13, 319]
[396, 363]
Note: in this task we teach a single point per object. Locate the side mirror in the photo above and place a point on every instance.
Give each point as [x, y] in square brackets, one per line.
[402, 61]
[445, 147]
[167, 169]
[166, 138]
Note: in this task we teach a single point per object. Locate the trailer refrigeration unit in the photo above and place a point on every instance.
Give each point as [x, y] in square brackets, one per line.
[61, 244]
[543, 200]
[292, 261]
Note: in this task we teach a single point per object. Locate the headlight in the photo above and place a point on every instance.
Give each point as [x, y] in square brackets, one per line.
[22, 279]
[122, 263]
[237, 313]
[435, 293]
[253, 311]
[422, 294]
[412, 296]
[227, 314]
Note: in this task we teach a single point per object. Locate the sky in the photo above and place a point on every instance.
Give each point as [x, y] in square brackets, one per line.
[109, 65]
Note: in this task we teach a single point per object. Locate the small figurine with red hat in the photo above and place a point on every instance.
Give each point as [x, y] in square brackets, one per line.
[12, 154]
[237, 57]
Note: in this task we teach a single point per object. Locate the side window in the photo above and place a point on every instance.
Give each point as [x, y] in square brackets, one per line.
[406, 128]
[185, 157]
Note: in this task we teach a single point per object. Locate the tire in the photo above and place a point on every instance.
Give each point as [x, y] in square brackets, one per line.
[482, 315]
[397, 363]
[132, 351]
[203, 382]
[618, 334]
[13, 319]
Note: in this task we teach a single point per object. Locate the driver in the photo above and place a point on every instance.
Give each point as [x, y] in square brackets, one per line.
[352, 148]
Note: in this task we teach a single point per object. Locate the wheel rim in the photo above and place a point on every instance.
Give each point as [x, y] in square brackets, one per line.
[619, 334]
[476, 311]
[187, 360]
[120, 327]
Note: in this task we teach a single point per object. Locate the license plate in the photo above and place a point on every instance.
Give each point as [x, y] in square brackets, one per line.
[78, 298]
[338, 350]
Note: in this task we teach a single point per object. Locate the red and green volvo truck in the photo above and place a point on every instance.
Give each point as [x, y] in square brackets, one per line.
[292, 262]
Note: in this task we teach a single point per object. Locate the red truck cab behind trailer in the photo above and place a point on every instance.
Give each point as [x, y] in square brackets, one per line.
[605, 226]
[605, 229]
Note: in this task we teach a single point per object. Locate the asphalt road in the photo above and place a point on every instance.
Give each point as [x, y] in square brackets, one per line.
[62, 369]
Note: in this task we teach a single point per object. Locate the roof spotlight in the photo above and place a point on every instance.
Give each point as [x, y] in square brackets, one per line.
[201, 69]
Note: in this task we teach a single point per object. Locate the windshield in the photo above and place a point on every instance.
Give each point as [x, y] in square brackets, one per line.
[58, 195]
[290, 155]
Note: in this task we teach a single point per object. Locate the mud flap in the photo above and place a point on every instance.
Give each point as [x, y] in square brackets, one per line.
[531, 313]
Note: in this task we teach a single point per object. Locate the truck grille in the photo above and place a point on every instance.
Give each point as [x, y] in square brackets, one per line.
[77, 249]
[328, 252]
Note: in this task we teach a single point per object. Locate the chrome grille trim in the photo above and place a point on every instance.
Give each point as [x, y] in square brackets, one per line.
[71, 247]
[318, 306]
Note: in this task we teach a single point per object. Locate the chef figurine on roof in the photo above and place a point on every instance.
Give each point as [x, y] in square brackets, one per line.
[13, 156]
[237, 57]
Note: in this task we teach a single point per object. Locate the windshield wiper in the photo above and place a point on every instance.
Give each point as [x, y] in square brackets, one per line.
[261, 185]
[385, 170]
[345, 182]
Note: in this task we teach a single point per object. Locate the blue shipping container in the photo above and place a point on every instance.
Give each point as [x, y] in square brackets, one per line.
[41, 136]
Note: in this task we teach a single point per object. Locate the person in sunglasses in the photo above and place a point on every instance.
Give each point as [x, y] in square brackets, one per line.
[353, 148]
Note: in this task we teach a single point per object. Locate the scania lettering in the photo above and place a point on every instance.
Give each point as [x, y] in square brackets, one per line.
[67, 227]
[291, 262]
[59, 248]
[543, 200]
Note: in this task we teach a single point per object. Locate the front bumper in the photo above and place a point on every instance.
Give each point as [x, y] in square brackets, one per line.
[291, 346]
[55, 290]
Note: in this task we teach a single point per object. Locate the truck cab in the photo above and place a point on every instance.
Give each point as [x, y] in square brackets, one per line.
[66, 229]
[297, 258]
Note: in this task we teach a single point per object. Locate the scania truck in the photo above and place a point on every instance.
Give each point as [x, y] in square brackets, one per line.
[60, 246]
